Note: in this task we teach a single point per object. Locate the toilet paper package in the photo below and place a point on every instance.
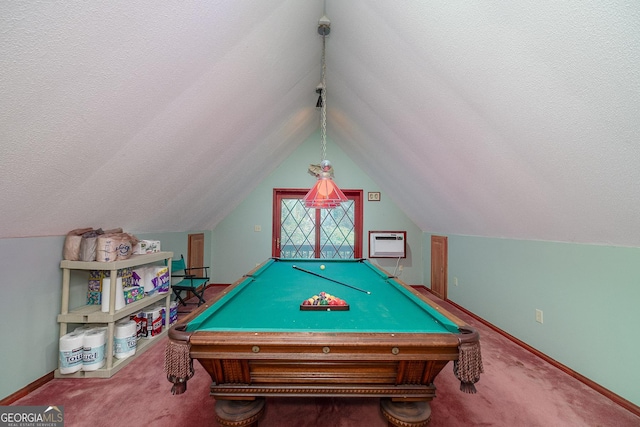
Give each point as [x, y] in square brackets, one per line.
[153, 322]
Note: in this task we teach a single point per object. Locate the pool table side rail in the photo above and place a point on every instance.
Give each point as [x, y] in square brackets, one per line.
[303, 364]
[322, 346]
[249, 364]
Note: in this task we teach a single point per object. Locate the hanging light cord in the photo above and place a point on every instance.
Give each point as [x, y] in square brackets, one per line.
[323, 127]
[325, 194]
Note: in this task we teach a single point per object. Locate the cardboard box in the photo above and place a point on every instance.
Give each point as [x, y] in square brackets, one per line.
[133, 293]
[147, 247]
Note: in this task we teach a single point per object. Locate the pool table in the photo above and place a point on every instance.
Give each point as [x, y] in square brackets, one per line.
[258, 339]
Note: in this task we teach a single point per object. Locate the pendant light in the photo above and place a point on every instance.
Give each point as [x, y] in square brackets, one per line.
[325, 194]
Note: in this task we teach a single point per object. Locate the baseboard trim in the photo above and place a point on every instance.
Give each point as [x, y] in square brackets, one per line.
[27, 389]
[619, 400]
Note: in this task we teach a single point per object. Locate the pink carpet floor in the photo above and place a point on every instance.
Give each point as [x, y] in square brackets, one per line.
[516, 389]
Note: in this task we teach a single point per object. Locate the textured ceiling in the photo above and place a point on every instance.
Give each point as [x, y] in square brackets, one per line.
[494, 118]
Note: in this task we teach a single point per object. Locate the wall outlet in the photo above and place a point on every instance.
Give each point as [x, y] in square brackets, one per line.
[455, 281]
[257, 228]
[539, 316]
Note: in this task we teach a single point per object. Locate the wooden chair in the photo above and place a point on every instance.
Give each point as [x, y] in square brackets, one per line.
[184, 279]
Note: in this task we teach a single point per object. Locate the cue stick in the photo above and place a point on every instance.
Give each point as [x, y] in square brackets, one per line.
[327, 278]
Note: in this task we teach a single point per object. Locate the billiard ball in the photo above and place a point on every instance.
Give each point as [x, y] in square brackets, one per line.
[322, 267]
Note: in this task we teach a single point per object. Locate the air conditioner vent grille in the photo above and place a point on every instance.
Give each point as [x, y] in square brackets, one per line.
[387, 244]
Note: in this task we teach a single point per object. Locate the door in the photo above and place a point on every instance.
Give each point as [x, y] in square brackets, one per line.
[195, 251]
[195, 254]
[439, 266]
[300, 232]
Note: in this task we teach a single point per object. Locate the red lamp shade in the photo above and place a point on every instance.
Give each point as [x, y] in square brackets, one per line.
[325, 194]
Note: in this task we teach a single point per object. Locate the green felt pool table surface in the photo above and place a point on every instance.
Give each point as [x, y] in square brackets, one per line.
[269, 298]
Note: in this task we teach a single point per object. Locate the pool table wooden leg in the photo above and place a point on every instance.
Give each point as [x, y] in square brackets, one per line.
[405, 413]
[239, 413]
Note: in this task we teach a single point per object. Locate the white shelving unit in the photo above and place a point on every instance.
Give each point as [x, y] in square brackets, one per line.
[94, 313]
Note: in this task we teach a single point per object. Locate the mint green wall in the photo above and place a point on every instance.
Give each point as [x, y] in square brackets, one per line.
[31, 283]
[237, 248]
[589, 295]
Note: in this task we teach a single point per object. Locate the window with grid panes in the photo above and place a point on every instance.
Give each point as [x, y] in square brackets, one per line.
[300, 232]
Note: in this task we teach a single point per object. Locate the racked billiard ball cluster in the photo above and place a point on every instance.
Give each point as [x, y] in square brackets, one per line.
[324, 298]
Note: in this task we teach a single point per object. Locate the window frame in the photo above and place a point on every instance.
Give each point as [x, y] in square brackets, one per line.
[299, 193]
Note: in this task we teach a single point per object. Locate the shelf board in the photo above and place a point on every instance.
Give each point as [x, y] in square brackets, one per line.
[94, 313]
[143, 345]
[135, 260]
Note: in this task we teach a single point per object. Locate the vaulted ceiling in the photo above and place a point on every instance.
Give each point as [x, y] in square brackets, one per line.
[489, 118]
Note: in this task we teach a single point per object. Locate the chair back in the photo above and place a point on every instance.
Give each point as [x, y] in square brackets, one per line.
[178, 265]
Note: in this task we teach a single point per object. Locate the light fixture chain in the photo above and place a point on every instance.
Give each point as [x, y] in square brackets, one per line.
[325, 194]
[323, 127]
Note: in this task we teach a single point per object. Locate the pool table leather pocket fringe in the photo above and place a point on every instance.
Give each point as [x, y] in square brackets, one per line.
[468, 367]
[178, 365]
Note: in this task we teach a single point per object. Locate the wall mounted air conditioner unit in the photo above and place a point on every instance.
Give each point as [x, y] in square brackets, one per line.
[387, 244]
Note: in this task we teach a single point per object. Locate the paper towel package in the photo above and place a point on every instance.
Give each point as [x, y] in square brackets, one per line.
[152, 278]
[147, 247]
[106, 294]
[173, 312]
[71, 352]
[93, 349]
[125, 339]
[161, 280]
